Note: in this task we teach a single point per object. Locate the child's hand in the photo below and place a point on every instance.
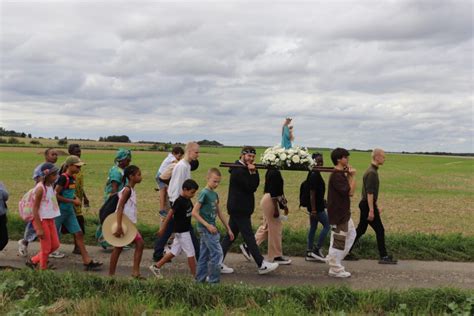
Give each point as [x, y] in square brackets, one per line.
[119, 232]
[212, 229]
[76, 201]
[231, 235]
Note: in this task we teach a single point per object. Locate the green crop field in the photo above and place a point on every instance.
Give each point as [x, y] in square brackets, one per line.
[429, 194]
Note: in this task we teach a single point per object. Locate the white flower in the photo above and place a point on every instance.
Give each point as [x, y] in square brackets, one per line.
[283, 156]
[295, 159]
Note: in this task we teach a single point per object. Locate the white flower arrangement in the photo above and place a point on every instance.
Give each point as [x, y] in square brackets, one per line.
[293, 158]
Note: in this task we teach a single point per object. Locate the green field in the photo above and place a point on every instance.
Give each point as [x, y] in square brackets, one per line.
[428, 194]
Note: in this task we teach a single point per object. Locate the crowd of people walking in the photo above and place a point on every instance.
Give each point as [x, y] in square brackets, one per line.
[59, 197]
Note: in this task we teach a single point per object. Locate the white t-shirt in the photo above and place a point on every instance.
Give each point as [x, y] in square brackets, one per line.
[130, 207]
[49, 207]
[181, 173]
[168, 160]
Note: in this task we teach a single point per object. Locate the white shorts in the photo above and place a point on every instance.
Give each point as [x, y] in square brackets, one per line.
[182, 241]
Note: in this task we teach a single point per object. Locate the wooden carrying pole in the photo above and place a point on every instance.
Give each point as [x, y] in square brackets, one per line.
[262, 166]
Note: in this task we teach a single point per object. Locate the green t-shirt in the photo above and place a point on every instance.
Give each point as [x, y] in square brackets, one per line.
[115, 175]
[208, 200]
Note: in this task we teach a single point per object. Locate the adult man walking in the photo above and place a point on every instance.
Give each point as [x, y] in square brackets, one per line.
[369, 210]
[341, 187]
[240, 205]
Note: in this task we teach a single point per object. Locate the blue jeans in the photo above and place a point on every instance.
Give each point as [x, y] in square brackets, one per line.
[210, 257]
[313, 222]
[160, 242]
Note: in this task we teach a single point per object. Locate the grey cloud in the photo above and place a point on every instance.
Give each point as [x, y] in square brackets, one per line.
[232, 71]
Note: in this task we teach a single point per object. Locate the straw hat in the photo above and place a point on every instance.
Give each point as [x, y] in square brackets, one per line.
[109, 227]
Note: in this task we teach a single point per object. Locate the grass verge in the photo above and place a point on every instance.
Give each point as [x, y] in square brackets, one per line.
[27, 292]
[419, 246]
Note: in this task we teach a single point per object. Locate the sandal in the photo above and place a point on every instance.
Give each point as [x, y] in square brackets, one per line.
[138, 277]
[30, 264]
[92, 265]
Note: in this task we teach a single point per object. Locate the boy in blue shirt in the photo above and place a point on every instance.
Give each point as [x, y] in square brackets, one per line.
[205, 211]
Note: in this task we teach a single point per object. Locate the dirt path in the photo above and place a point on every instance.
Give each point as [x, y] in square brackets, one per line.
[366, 274]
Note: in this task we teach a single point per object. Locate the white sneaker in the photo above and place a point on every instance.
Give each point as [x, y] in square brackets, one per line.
[245, 252]
[22, 248]
[226, 270]
[267, 267]
[57, 254]
[156, 271]
[340, 274]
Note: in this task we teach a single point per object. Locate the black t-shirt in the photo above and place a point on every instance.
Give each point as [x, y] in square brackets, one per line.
[273, 183]
[316, 183]
[183, 209]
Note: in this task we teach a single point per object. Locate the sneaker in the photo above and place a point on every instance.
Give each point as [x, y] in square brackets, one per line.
[340, 274]
[22, 248]
[282, 260]
[318, 254]
[245, 252]
[156, 271]
[388, 260]
[351, 257]
[57, 254]
[225, 269]
[267, 267]
[309, 256]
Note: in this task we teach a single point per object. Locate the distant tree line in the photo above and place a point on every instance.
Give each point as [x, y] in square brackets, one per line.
[12, 133]
[439, 153]
[115, 139]
[206, 142]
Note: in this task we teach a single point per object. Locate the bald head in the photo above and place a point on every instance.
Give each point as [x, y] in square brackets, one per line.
[191, 151]
[378, 156]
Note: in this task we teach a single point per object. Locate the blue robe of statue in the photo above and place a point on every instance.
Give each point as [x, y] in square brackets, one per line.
[285, 137]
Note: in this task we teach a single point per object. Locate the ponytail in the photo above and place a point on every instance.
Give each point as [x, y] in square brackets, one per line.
[129, 171]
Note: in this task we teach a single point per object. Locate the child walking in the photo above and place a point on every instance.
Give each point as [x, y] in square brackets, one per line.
[171, 160]
[45, 210]
[181, 210]
[127, 205]
[66, 195]
[205, 212]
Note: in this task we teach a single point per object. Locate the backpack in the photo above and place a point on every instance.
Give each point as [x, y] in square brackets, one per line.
[305, 199]
[109, 207]
[25, 206]
[67, 180]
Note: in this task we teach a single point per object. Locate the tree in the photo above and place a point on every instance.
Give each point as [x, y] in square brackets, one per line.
[115, 138]
[62, 142]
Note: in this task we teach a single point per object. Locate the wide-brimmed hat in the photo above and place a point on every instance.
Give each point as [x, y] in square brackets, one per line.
[109, 227]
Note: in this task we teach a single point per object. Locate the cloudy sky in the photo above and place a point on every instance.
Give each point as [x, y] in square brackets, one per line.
[357, 74]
